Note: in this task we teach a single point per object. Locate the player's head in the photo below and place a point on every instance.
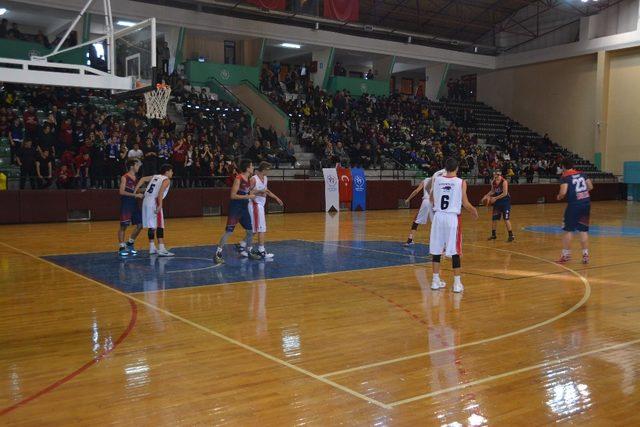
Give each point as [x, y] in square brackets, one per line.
[246, 165]
[166, 170]
[497, 174]
[567, 164]
[263, 167]
[451, 165]
[133, 165]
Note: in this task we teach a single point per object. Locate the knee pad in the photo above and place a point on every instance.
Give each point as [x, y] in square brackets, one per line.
[455, 260]
[151, 233]
[160, 233]
[435, 258]
[414, 226]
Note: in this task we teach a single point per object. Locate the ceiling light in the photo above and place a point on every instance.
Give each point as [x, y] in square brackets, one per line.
[290, 45]
[3, 11]
[125, 23]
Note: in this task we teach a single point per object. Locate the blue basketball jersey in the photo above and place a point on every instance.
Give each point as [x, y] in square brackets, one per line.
[577, 191]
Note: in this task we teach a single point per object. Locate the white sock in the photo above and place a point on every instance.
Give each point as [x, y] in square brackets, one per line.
[152, 245]
[243, 244]
[249, 248]
[161, 247]
[131, 241]
[261, 248]
[456, 280]
[219, 250]
[585, 252]
[436, 277]
[121, 245]
[566, 252]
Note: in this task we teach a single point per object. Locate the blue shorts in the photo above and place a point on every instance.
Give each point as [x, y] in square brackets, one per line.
[576, 217]
[239, 213]
[130, 213]
[502, 209]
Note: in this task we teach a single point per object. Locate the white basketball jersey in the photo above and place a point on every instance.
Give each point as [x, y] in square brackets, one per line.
[260, 186]
[153, 188]
[447, 194]
[427, 193]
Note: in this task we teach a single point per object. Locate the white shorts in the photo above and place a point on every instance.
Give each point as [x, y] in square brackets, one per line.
[258, 218]
[446, 235]
[151, 219]
[425, 214]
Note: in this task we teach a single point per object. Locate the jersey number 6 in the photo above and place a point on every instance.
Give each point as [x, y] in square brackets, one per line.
[444, 202]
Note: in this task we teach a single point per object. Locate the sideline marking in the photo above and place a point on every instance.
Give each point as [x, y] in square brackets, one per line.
[210, 331]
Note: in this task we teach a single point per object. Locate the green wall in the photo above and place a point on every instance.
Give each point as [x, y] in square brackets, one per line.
[357, 87]
[200, 73]
[18, 49]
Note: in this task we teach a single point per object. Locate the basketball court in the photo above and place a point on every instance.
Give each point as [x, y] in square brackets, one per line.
[339, 328]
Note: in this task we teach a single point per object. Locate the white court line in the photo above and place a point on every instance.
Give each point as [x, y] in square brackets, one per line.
[210, 331]
[514, 372]
[583, 300]
[366, 249]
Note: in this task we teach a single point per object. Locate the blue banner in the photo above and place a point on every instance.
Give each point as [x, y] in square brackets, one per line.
[359, 189]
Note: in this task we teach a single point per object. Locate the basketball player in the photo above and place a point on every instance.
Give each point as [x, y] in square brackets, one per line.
[425, 213]
[448, 196]
[575, 187]
[256, 206]
[499, 197]
[129, 210]
[239, 212]
[152, 214]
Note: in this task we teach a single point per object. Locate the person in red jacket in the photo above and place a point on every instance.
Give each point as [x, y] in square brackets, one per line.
[82, 163]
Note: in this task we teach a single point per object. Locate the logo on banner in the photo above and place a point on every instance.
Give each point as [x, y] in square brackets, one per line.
[359, 183]
[333, 182]
[345, 179]
[224, 74]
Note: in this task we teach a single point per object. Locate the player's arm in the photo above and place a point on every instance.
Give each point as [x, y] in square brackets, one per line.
[273, 196]
[505, 189]
[144, 180]
[160, 197]
[465, 201]
[564, 187]
[589, 185]
[38, 174]
[50, 171]
[234, 192]
[415, 192]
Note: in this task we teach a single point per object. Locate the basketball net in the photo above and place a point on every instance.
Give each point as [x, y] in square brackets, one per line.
[156, 101]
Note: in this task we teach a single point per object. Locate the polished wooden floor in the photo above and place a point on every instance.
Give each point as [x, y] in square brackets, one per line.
[528, 343]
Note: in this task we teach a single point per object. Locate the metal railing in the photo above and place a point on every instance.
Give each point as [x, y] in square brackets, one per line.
[286, 174]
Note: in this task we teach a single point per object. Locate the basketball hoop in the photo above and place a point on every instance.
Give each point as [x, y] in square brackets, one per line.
[156, 101]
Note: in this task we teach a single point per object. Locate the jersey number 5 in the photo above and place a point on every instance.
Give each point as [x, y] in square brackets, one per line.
[580, 184]
[444, 202]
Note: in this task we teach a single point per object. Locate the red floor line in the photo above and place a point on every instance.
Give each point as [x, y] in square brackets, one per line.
[388, 300]
[72, 375]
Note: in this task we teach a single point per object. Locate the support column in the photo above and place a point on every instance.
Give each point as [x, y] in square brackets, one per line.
[86, 28]
[178, 57]
[602, 110]
[435, 80]
[383, 67]
[324, 59]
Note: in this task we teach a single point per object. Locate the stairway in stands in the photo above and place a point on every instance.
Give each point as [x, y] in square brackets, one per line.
[490, 125]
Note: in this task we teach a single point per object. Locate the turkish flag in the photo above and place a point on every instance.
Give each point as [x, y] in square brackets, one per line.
[342, 10]
[346, 185]
[269, 4]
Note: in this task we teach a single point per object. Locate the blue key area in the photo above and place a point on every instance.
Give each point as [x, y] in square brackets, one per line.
[193, 266]
[594, 230]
